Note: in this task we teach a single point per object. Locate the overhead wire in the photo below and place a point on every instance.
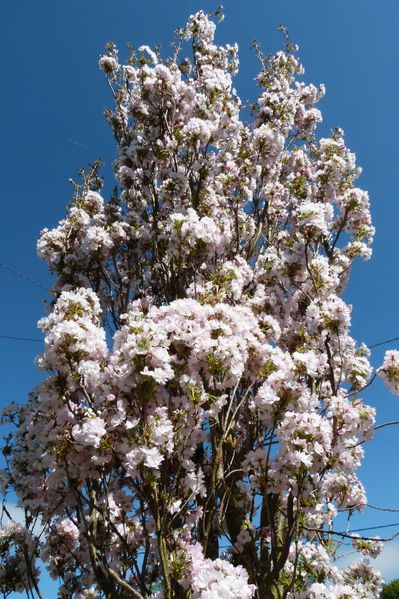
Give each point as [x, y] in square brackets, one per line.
[21, 275]
[29, 279]
[375, 527]
[38, 284]
[13, 338]
[383, 342]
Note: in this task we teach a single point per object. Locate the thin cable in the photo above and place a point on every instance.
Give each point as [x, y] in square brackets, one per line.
[20, 338]
[382, 509]
[22, 276]
[374, 527]
[38, 284]
[383, 342]
[28, 339]
[34, 282]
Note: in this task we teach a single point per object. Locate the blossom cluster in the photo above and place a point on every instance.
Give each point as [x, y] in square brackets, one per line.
[215, 579]
[18, 555]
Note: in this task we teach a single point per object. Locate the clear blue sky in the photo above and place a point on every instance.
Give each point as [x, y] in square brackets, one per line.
[51, 106]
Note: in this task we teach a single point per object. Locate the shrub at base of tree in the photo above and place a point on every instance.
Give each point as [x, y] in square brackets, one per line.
[391, 590]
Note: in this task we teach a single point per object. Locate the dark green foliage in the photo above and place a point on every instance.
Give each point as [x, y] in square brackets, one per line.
[391, 590]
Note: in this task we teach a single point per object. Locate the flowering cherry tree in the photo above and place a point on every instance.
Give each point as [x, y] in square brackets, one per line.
[201, 422]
